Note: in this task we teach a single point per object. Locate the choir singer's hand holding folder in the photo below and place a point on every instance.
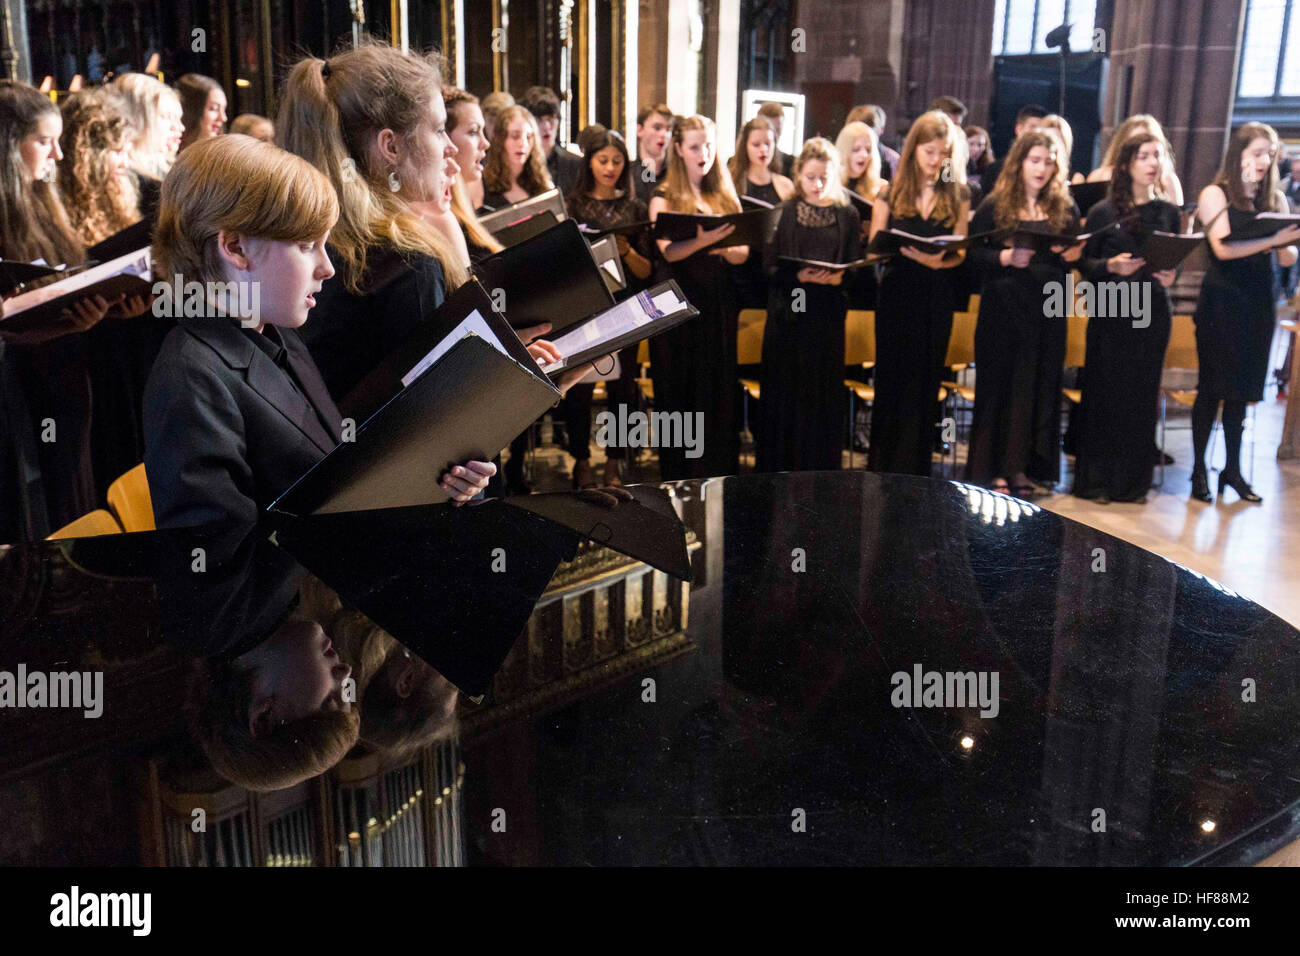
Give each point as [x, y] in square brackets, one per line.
[54, 306]
[440, 398]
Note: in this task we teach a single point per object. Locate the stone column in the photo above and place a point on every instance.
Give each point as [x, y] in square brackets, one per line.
[1177, 60]
[948, 50]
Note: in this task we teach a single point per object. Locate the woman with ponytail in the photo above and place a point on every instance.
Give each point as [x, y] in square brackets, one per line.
[373, 121]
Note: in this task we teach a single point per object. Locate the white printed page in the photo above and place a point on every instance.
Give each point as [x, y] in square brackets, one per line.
[138, 263]
[472, 324]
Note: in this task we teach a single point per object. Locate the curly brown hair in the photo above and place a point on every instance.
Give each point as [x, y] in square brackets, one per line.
[98, 204]
[1009, 191]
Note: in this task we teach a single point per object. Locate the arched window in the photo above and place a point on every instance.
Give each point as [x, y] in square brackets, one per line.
[1021, 26]
[1270, 52]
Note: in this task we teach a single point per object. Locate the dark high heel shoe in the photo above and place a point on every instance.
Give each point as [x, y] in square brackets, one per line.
[1239, 485]
[1201, 488]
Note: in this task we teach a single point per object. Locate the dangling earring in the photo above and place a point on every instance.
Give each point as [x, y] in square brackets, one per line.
[394, 184]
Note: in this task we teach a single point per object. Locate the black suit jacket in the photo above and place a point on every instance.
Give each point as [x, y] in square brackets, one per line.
[226, 430]
[989, 178]
[565, 169]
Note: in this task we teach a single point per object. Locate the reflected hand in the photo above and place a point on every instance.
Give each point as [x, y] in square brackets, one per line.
[608, 496]
[463, 482]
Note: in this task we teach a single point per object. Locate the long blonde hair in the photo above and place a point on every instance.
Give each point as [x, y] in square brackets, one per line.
[466, 216]
[331, 120]
[534, 177]
[1127, 129]
[98, 204]
[1009, 190]
[869, 182]
[716, 189]
[950, 192]
[142, 97]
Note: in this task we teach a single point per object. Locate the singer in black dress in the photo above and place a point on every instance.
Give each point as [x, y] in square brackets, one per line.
[915, 301]
[801, 428]
[693, 365]
[1019, 348]
[1126, 353]
[1236, 313]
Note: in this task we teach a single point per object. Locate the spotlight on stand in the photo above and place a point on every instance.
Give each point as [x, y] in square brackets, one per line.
[1060, 37]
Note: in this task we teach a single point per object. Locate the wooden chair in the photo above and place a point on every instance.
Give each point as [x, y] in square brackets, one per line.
[1076, 352]
[859, 349]
[749, 351]
[90, 525]
[128, 496]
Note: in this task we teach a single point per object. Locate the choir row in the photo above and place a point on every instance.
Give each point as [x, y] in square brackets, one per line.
[365, 214]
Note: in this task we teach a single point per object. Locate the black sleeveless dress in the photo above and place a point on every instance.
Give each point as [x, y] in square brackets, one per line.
[693, 367]
[750, 279]
[1235, 318]
[913, 325]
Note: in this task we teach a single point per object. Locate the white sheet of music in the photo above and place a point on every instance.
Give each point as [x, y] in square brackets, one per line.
[627, 315]
[472, 324]
[138, 263]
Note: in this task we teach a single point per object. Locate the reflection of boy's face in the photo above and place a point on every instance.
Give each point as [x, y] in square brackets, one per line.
[417, 675]
[297, 672]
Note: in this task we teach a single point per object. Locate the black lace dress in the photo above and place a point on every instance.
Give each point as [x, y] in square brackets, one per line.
[801, 427]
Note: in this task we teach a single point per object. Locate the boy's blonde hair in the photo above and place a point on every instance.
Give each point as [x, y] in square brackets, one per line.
[236, 184]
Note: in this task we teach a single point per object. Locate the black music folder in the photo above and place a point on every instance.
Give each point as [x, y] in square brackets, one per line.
[454, 585]
[1087, 195]
[628, 229]
[818, 264]
[1265, 225]
[755, 201]
[464, 399]
[753, 227]
[1166, 250]
[861, 203]
[534, 225]
[889, 241]
[605, 251]
[133, 237]
[552, 277]
[646, 528]
[642, 316]
[14, 274]
[44, 308]
[1041, 237]
[548, 201]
